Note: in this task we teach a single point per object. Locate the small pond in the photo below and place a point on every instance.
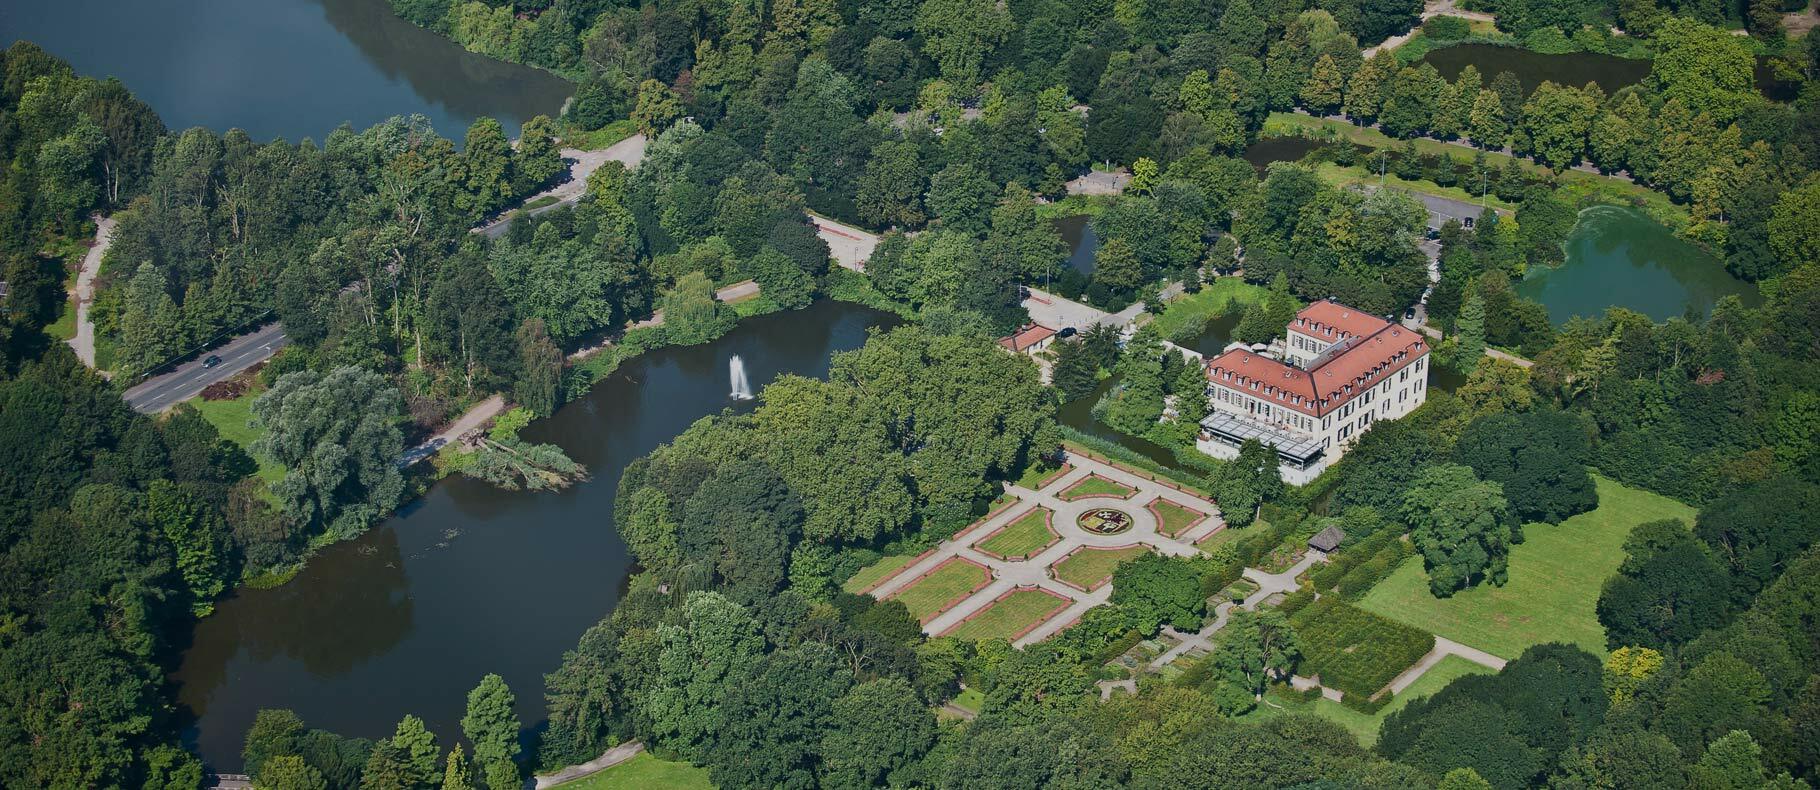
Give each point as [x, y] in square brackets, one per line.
[1534, 68]
[1620, 257]
[1280, 149]
[1077, 232]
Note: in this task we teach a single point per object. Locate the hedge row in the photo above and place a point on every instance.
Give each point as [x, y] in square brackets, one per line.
[1356, 569]
[1353, 650]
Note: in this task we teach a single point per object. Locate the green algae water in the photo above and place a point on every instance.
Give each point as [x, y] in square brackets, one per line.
[1619, 257]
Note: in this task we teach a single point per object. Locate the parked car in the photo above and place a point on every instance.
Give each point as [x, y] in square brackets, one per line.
[211, 361]
[1067, 332]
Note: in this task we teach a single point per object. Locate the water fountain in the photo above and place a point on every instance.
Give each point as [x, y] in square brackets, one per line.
[736, 369]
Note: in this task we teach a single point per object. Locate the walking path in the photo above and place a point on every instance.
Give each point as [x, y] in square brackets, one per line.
[1100, 182]
[1268, 584]
[1435, 8]
[1035, 572]
[1128, 686]
[471, 420]
[607, 759]
[628, 152]
[1489, 351]
[1056, 311]
[850, 247]
[84, 341]
[1443, 648]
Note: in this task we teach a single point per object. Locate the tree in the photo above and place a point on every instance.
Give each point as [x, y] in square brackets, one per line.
[274, 732]
[1707, 69]
[197, 536]
[1254, 648]
[385, 768]
[1755, 530]
[455, 775]
[655, 108]
[417, 750]
[1469, 333]
[1242, 485]
[1325, 87]
[877, 727]
[1154, 589]
[1667, 591]
[960, 34]
[337, 436]
[1485, 121]
[492, 726]
[1537, 457]
[1022, 240]
[289, 772]
[538, 159]
[486, 166]
[701, 659]
[891, 191]
[1116, 266]
[1794, 225]
[781, 279]
[1075, 372]
[691, 316]
[1626, 669]
[774, 719]
[539, 369]
[1463, 779]
[1462, 526]
[961, 197]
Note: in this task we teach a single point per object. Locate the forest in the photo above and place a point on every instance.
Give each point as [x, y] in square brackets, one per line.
[952, 126]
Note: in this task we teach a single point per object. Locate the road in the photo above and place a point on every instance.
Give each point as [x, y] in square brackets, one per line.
[190, 378]
[850, 247]
[84, 341]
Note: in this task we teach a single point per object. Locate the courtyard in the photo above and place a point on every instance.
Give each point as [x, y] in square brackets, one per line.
[1034, 566]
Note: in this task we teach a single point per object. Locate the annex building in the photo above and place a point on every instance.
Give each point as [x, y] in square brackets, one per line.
[1341, 370]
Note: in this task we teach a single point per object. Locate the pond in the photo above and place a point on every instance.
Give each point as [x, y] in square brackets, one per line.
[1620, 257]
[1534, 68]
[471, 579]
[1078, 414]
[1077, 233]
[283, 68]
[1280, 149]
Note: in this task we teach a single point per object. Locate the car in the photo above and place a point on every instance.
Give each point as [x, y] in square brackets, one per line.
[1432, 234]
[1067, 332]
[1409, 314]
[211, 361]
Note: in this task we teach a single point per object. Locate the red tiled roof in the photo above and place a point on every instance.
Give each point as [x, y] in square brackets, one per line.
[1028, 336]
[1330, 321]
[1365, 362]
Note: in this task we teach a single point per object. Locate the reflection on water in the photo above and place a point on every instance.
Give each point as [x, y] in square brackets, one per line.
[472, 579]
[1620, 257]
[1083, 243]
[1534, 68]
[283, 68]
[1279, 149]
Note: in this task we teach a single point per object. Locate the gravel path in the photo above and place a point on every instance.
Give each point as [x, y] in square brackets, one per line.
[84, 341]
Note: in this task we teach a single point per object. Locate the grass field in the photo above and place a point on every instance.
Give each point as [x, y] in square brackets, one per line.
[1010, 616]
[1342, 176]
[644, 771]
[232, 419]
[1095, 485]
[1580, 185]
[1219, 538]
[1555, 577]
[1023, 537]
[1035, 474]
[876, 572]
[940, 589]
[1223, 294]
[1173, 518]
[1365, 726]
[1087, 567]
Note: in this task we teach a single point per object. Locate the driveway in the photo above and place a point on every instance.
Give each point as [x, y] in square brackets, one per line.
[850, 247]
[189, 379]
[628, 152]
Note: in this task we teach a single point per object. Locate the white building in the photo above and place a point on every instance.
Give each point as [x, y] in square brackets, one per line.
[1345, 370]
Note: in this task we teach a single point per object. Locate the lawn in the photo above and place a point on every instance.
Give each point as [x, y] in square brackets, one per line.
[1035, 476]
[232, 419]
[970, 699]
[876, 572]
[942, 588]
[1088, 567]
[1022, 538]
[1219, 296]
[1342, 176]
[1011, 616]
[1581, 185]
[1173, 519]
[1220, 537]
[1555, 578]
[1094, 485]
[643, 771]
[1365, 726]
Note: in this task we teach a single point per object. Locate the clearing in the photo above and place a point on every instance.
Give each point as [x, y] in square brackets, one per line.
[1555, 578]
[643, 771]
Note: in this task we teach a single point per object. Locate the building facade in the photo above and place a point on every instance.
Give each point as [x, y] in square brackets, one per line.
[1342, 371]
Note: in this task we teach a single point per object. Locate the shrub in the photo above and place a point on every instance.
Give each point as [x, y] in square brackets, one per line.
[1447, 28]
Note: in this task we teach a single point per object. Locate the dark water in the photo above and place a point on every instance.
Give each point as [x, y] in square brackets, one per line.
[1218, 333]
[1620, 257]
[1279, 149]
[1534, 68]
[283, 68]
[1078, 415]
[1077, 232]
[472, 579]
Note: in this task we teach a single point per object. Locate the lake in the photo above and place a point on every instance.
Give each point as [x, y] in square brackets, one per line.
[471, 579]
[283, 68]
[1534, 68]
[1077, 233]
[1620, 257]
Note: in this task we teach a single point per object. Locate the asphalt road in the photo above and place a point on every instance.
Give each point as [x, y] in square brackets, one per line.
[189, 379]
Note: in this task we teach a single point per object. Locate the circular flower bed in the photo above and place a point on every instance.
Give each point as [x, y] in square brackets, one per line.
[1105, 521]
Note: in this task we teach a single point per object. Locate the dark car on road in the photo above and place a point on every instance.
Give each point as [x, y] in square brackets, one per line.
[211, 361]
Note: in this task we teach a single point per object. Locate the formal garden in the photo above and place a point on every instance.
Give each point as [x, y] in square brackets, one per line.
[1023, 538]
[1089, 568]
[1010, 616]
[1096, 485]
[1173, 519]
[948, 584]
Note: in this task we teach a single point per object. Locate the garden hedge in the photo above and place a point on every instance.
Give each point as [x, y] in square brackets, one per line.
[1353, 650]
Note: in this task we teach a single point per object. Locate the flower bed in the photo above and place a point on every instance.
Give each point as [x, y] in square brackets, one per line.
[942, 587]
[1089, 568]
